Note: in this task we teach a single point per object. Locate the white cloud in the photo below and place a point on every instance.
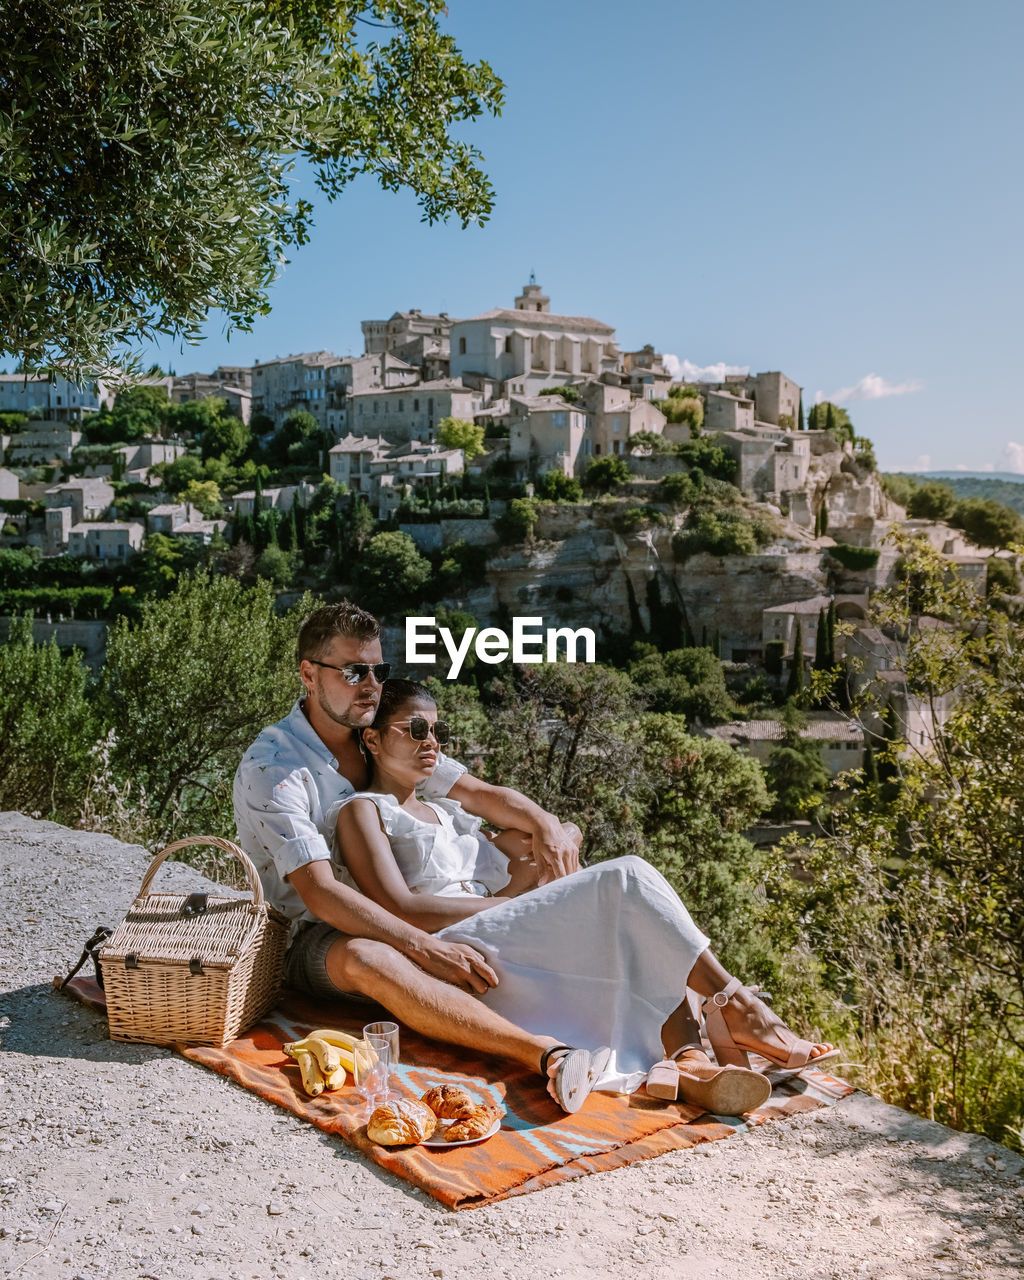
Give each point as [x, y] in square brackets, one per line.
[687, 371]
[870, 387]
[1014, 455]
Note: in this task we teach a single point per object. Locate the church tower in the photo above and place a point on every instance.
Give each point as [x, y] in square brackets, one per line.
[532, 297]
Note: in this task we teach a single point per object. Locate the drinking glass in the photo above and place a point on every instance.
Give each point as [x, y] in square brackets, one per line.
[389, 1030]
[371, 1062]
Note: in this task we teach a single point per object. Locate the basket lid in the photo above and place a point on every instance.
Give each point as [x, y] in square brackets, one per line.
[165, 928]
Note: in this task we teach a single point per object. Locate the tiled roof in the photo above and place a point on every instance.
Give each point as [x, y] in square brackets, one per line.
[544, 320]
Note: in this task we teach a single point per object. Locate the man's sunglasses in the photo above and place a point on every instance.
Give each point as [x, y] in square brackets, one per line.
[356, 672]
[419, 727]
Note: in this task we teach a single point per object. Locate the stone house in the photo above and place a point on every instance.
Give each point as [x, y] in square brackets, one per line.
[355, 374]
[106, 540]
[779, 624]
[645, 374]
[88, 497]
[616, 415]
[418, 339]
[52, 397]
[875, 664]
[182, 520]
[524, 349]
[351, 457]
[840, 738]
[725, 411]
[411, 413]
[547, 433]
[281, 499]
[200, 386]
[409, 464]
[281, 387]
[776, 397]
[769, 461]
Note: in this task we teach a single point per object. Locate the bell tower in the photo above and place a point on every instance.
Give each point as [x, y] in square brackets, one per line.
[533, 297]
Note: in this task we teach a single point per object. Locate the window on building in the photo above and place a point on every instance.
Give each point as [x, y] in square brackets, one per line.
[375, 406]
[401, 406]
[558, 419]
[508, 345]
[462, 346]
[415, 406]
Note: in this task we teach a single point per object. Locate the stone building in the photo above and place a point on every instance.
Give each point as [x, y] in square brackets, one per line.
[86, 497]
[645, 374]
[726, 411]
[418, 339]
[43, 442]
[776, 397]
[183, 520]
[351, 457]
[770, 462]
[547, 433]
[616, 415]
[281, 387]
[522, 350]
[48, 396]
[280, 499]
[840, 739]
[106, 540]
[200, 386]
[412, 413]
[354, 374]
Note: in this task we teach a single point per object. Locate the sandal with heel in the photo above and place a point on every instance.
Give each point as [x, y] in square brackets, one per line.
[721, 1090]
[730, 1053]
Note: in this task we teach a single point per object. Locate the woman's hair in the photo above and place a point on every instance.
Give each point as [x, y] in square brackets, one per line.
[394, 695]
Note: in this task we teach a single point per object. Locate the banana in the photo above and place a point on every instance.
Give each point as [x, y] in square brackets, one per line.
[336, 1080]
[343, 1039]
[312, 1080]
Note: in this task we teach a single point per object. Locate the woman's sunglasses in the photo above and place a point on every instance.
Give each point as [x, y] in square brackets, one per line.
[418, 728]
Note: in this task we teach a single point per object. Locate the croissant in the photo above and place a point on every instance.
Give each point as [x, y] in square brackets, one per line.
[449, 1102]
[399, 1122]
[471, 1126]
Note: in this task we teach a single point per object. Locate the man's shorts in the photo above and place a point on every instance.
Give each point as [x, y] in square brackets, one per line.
[305, 964]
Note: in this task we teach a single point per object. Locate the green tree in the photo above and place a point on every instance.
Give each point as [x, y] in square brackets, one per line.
[796, 774]
[559, 487]
[931, 501]
[48, 727]
[205, 496]
[460, 433]
[151, 182]
[988, 523]
[568, 736]
[686, 682]
[225, 437]
[189, 685]
[605, 474]
[518, 521]
[703, 796]
[277, 566]
[795, 682]
[391, 571]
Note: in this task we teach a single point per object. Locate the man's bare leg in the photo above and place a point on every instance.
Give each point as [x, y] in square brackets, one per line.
[428, 1005]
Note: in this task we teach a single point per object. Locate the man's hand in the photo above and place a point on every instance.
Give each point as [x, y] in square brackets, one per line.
[454, 962]
[556, 850]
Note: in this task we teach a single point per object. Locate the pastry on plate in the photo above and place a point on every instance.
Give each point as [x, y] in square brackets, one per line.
[400, 1122]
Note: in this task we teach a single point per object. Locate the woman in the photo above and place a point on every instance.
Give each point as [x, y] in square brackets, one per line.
[601, 957]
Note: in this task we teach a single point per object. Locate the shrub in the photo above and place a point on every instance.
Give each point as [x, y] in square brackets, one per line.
[558, 487]
[854, 558]
[518, 522]
[721, 533]
[988, 523]
[605, 474]
[931, 502]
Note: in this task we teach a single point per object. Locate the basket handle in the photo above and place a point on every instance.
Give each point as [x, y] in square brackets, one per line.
[219, 843]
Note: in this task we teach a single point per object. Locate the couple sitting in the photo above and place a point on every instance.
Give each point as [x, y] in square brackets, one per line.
[368, 837]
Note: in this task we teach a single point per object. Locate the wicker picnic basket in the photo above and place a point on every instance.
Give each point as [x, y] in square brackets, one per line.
[193, 968]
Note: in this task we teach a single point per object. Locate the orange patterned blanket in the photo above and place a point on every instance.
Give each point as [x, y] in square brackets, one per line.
[537, 1146]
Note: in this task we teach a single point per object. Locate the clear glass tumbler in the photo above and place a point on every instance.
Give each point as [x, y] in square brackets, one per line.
[371, 1060]
[389, 1030]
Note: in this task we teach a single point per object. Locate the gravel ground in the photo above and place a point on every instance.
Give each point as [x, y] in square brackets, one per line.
[121, 1162]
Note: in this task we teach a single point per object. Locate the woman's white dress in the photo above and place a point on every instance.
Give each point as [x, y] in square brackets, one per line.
[600, 957]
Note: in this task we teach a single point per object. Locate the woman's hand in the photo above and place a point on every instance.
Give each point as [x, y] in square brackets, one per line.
[454, 962]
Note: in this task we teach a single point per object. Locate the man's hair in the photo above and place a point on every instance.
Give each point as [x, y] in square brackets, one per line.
[332, 620]
[394, 695]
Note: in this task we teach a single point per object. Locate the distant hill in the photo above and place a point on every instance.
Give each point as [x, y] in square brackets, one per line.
[1002, 486]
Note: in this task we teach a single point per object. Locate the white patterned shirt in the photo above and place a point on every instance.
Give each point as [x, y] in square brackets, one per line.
[287, 795]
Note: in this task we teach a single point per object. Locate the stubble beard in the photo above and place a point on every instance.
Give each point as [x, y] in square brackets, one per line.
[347, 719]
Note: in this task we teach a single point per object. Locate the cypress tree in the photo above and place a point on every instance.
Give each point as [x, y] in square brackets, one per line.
[830, 620]
[796, 667]
[800, 416]
[291, 531]
[257, 502]
[821, 662]
[830, 417]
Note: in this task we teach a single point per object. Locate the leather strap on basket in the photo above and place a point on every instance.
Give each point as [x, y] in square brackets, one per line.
[218, 843]
[90, 949]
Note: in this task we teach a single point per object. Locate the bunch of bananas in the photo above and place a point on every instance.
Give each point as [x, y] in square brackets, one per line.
[324, 1058]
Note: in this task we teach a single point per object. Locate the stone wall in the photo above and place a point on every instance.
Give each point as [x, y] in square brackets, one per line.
[89, 637]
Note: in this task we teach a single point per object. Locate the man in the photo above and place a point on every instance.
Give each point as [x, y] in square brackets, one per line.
[287, 793]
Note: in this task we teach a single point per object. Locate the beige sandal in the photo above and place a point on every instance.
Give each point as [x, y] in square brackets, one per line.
[724, 1091]
[727, 1052]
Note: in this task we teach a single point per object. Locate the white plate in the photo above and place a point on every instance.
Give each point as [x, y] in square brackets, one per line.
[438, 1139]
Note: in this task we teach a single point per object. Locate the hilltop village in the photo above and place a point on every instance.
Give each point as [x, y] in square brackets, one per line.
[528, 462]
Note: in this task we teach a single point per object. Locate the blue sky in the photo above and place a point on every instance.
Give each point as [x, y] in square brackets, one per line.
[831, 190]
